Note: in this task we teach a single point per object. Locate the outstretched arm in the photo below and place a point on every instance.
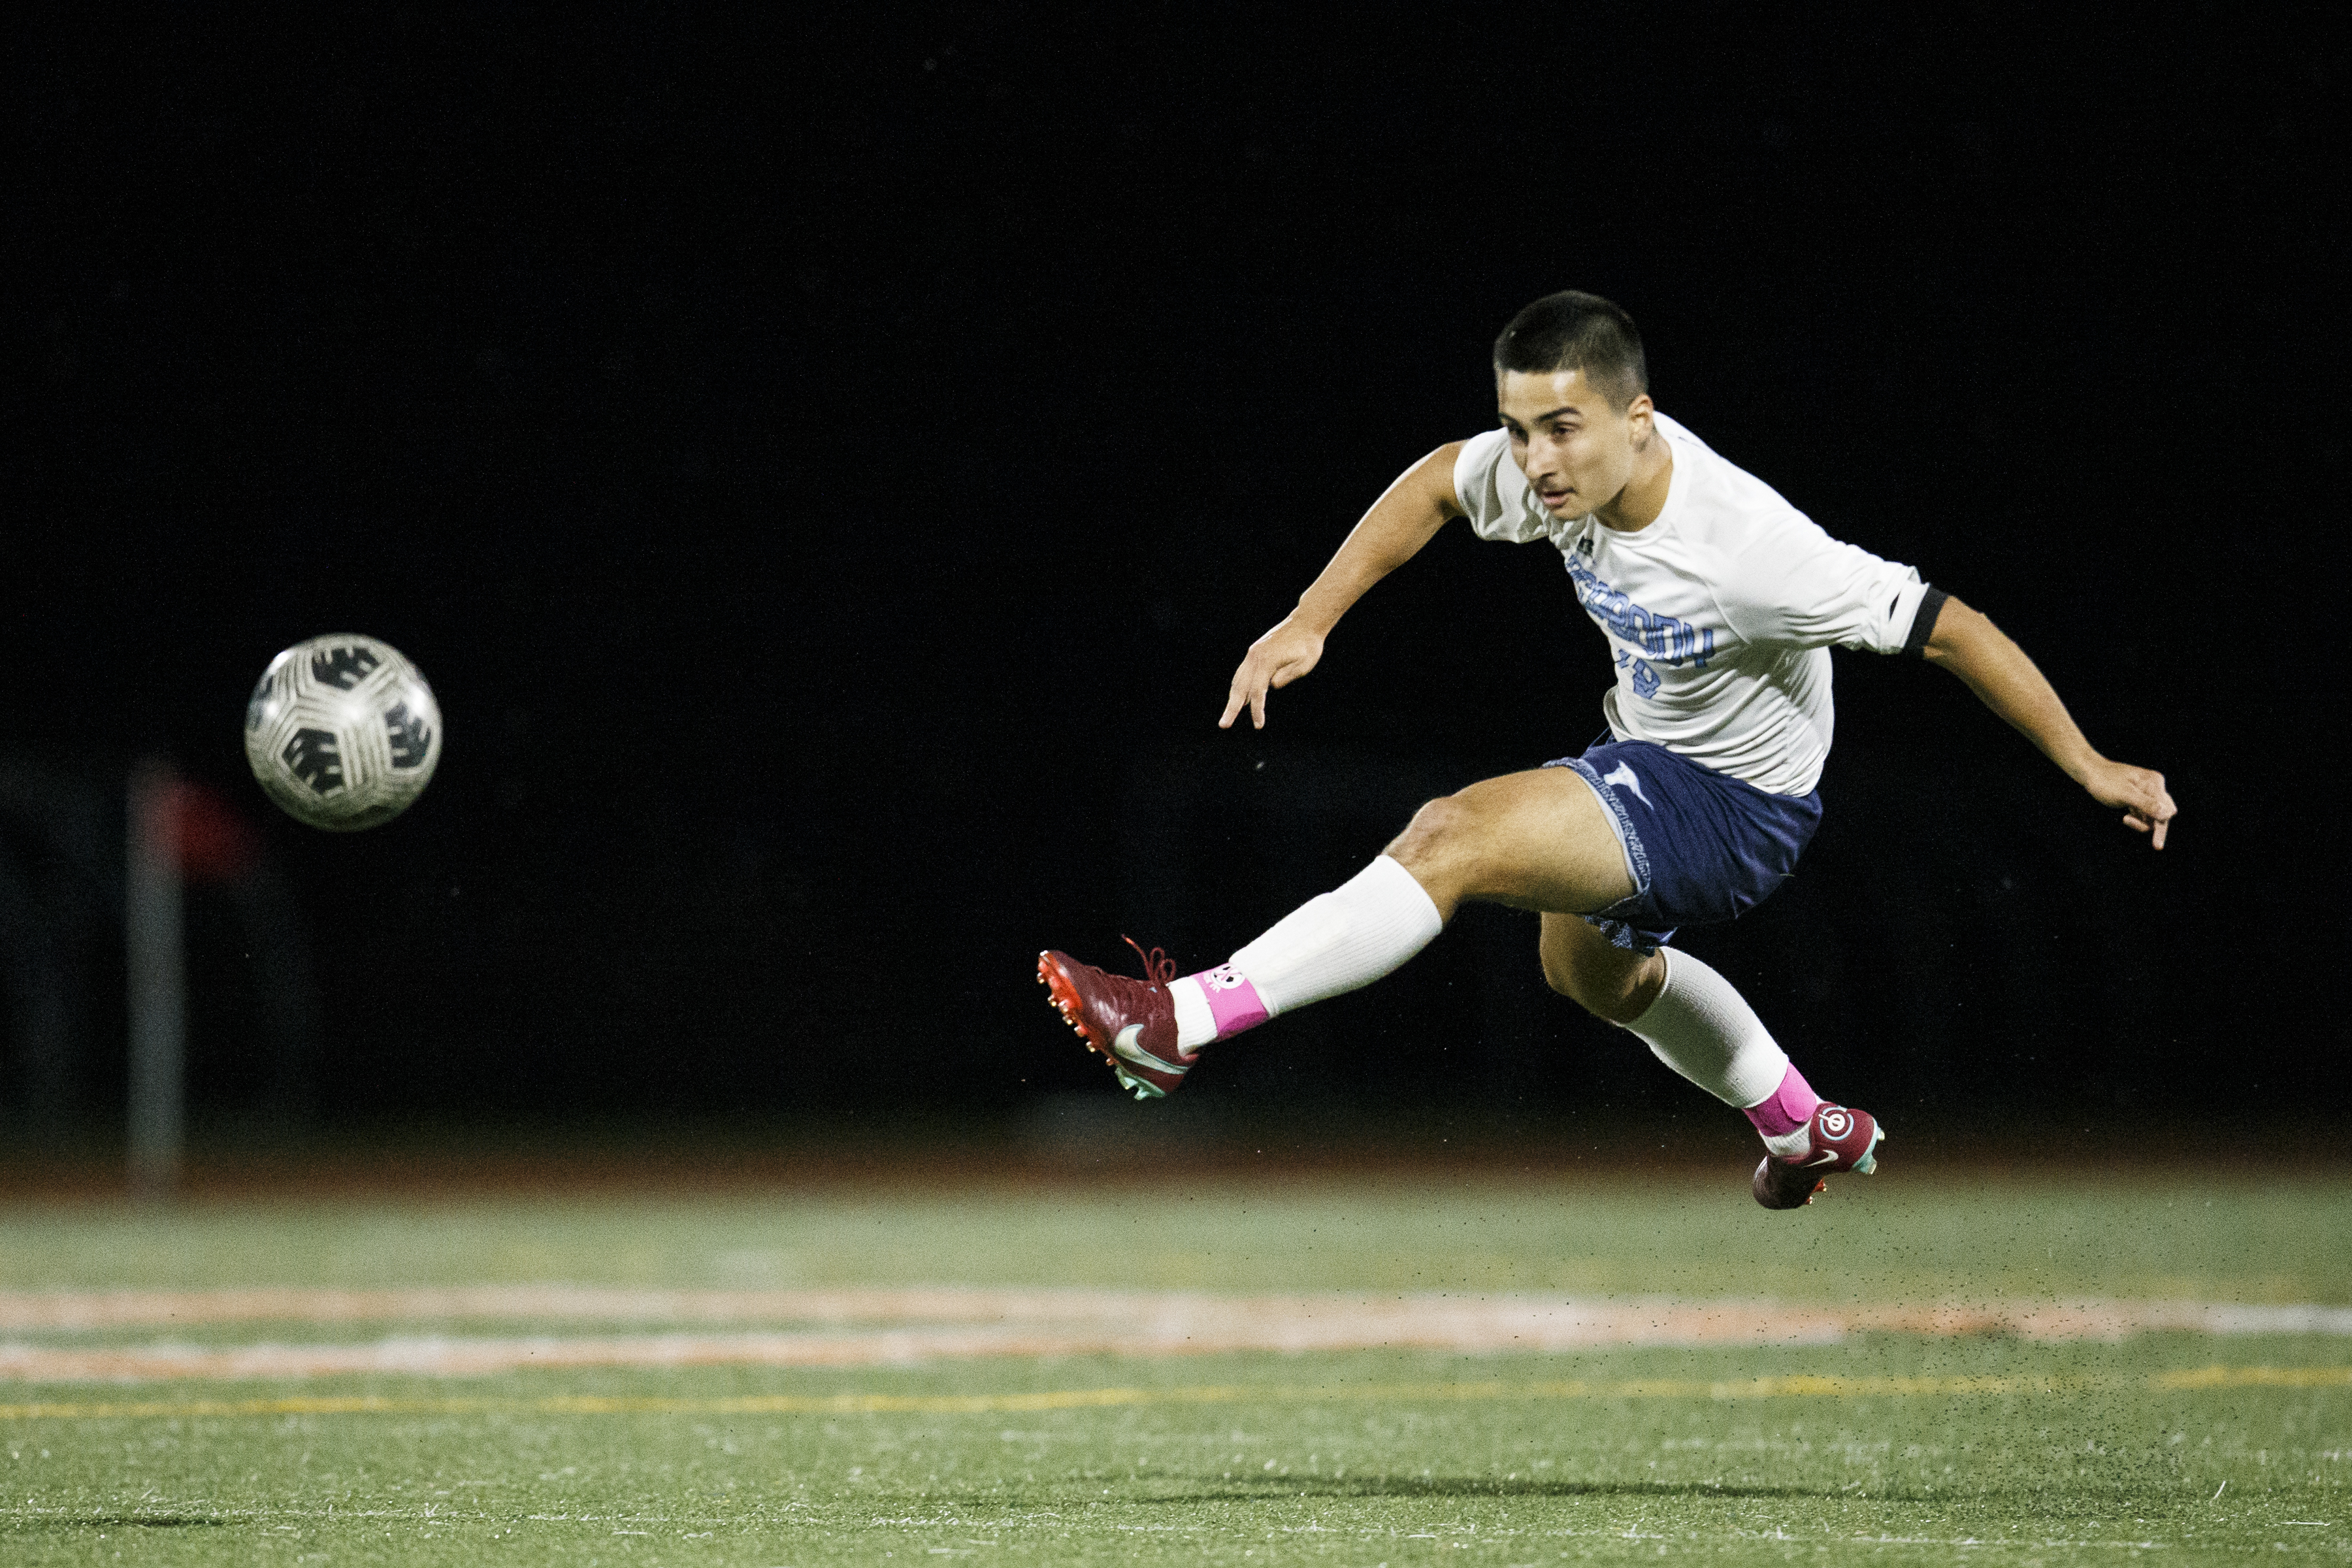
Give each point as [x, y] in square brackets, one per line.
[1969, 646]
[1406, 517]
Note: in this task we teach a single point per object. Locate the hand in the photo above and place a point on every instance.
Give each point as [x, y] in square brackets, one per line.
[1277, 659]
[2140, 791]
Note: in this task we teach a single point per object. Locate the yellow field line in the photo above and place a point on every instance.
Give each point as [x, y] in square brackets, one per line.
[1795, 1387]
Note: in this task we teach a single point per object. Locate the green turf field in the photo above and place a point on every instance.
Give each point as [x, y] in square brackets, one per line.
[1893, 1446]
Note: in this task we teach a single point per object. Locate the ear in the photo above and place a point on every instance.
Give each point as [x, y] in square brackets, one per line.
[1637, 417]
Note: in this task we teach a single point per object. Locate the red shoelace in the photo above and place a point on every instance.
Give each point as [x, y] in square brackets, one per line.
[1158, 967]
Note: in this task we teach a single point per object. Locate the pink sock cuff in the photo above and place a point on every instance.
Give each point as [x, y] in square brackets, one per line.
[1791, 1106]
[1234, 1002]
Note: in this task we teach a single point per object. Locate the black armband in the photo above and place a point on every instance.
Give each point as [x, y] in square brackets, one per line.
[1923, 625]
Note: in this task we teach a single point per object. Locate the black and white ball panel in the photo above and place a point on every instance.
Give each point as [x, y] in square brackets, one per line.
[342, 732]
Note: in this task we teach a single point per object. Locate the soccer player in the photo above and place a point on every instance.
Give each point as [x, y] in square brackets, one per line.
[1719, 602]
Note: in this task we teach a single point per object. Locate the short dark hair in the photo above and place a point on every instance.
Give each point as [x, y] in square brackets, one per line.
[1575, 330]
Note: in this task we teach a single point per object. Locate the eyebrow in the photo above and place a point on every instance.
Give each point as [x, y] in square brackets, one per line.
[1549, 413]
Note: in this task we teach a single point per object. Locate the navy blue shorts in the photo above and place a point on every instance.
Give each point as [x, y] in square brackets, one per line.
[1703, 846]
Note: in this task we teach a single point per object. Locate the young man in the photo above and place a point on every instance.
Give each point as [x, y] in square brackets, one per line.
[1719, 602]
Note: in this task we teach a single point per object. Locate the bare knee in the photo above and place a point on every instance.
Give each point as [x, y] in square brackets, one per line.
[1440, 846]
[1436, 831]
[1617, 988]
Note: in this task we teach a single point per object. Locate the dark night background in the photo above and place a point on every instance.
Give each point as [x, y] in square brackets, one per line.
[829, 469]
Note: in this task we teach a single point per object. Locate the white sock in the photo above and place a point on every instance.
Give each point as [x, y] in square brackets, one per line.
[1345, 939]
[1702, 1027]
[1195, 1025]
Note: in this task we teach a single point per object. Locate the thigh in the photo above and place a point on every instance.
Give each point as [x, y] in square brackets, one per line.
[1535, 841]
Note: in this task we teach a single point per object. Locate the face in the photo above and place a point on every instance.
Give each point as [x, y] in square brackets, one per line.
[1576, 449]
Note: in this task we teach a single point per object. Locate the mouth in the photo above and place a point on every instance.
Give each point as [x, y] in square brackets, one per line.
[1555, 500]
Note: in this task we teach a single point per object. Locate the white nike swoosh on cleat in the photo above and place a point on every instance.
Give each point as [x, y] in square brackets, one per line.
[1828, 1157]
[1124, 1043]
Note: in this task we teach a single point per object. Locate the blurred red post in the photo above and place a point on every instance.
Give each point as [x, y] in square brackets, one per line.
[210, 841]
[156, 969]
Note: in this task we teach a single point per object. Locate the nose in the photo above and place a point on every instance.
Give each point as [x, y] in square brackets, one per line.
[1541, 462]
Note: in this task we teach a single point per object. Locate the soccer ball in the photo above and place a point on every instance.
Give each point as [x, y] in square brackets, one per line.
[343, 732]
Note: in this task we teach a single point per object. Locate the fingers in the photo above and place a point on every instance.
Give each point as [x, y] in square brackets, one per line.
[2160, 815]
[2147, 805]
[1283, 675]
[1275, 659]
[1248, 690]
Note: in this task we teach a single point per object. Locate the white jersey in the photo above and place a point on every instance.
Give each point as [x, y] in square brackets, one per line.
[1720, 613]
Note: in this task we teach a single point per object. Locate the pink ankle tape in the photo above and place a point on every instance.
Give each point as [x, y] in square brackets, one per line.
[1790, 1106]
[1233, 1001]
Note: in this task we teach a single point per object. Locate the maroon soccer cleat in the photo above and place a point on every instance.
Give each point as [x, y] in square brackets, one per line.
[1131, 1022]
[1843, 1139]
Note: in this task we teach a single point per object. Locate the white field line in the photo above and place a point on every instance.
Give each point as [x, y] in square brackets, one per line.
[67, 1310]
[952, 1324]
[22, 1310]
[1609, 1319]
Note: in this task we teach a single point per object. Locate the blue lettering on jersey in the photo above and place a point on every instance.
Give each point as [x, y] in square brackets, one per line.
[1661, 637]
[1646, 681]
